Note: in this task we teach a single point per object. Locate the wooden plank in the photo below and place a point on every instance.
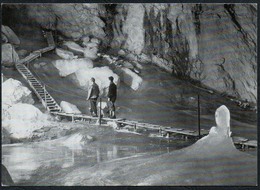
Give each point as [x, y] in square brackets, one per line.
[239, 140]
[252, 143]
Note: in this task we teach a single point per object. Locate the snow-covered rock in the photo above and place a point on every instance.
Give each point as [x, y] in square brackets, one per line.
[91, 49]
[22, 119]
[11, 36]
[101, 75]
[85, 40]
[69, 108]
[67, 67]
[73, 46]
[130, 78]
[14, 92]
[9, 55]
[65, 54]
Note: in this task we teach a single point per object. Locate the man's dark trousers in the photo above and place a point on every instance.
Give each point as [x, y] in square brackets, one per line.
[93, 106]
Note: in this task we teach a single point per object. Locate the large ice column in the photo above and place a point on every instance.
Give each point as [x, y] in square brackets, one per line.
[222, 117]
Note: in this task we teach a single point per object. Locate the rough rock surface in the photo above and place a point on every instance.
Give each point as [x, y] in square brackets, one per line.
[130, 78]
[90, 50]
[68, 107]
[67, 67]
[22, 119]
[10, 35]
[9, 55]
[14, 92]
[180, 39]
[211, 43]
[72, 20]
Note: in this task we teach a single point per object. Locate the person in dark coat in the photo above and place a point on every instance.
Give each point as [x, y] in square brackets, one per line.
[112, 93]
[93, 94]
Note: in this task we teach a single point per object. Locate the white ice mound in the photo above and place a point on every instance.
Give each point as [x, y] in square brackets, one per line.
[218, 139]
[14, 92]
[22, 119]
[64, 54]
[101, 75]
[73, 46]
[130, 78]
[67, 67]
[69, 108]
[222, 117]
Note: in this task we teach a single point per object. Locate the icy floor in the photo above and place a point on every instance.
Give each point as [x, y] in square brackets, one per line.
[45, 163]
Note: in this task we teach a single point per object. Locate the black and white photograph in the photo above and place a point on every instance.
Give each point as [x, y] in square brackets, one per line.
[129, 94]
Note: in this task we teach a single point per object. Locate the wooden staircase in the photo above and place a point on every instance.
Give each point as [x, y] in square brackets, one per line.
[39, 89]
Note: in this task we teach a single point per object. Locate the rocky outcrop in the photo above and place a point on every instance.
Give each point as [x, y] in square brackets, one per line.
[14, 92]
[211, 43]
[9, 55]
[214, 44]
[9, 34]
[72, 20]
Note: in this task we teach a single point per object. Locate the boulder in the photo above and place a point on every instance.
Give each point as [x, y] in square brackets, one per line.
[64, 54]
[9, 55]
[121, 52]
[95, 40]
[68, 107]
[4, 38]
[101, 75]
[22, 119]
[11, 36]
[21, 111]
[128, 65]
[22, 53]
[14, 92]
[85, 40]
[67, 67]
[73, 46]
[90, 51]
[130, 78]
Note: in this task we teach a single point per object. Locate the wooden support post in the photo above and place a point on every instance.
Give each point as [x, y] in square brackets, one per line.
[100, 100]
[199, 115]
[44, 89]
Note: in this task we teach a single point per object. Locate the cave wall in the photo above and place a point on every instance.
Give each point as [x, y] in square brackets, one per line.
[211, 43]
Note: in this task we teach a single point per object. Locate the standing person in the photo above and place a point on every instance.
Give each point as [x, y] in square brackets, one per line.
[112, 92]
[93, 94]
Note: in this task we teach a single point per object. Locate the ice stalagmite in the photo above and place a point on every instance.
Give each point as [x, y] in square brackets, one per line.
[222, 117]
